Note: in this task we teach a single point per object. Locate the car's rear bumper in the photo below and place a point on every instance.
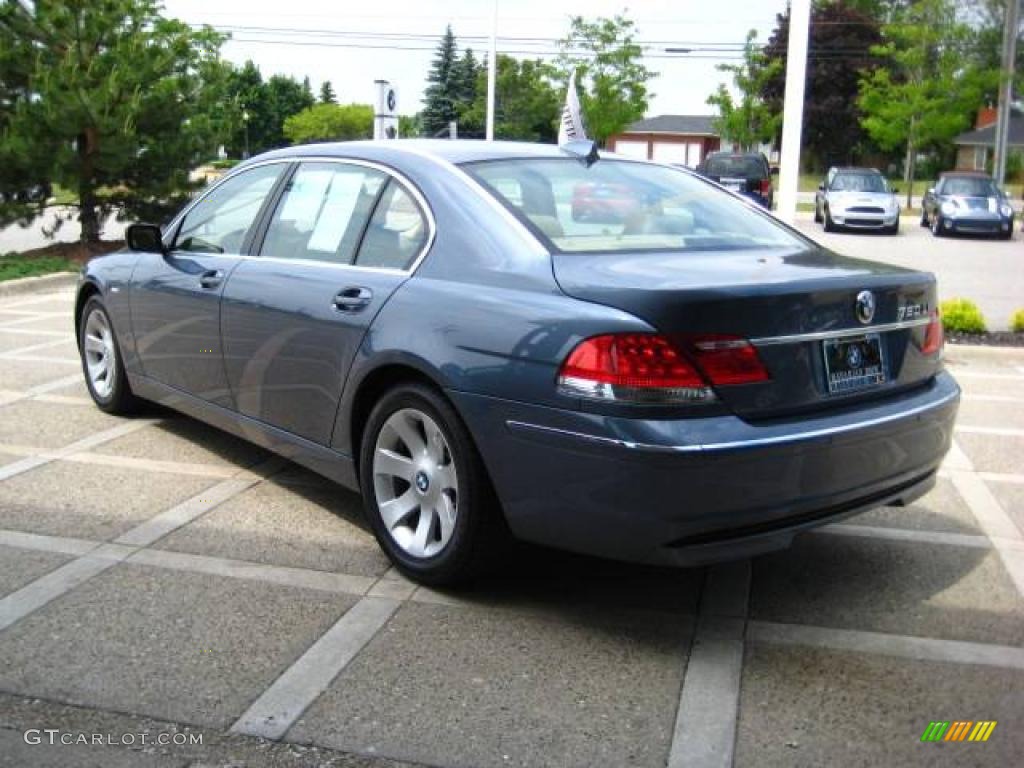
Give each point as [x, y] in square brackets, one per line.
[690, 491]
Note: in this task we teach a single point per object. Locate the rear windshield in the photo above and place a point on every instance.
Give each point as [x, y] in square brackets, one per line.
[859, 182]
[617, 205]
[739, 166]
[968, 186]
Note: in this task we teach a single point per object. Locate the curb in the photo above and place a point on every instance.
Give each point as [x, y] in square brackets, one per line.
[40, 284]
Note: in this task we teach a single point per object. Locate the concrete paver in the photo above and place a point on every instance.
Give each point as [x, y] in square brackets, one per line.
[469, 687]
[179, 438]
[993, 453]
[18, 567]
[172, 645]
[941, 509]
[49, 426]
[802, 707]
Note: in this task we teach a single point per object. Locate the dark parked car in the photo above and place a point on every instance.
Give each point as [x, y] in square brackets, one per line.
[747, 173]
[426, 322]
[856, 198]
[967, 202]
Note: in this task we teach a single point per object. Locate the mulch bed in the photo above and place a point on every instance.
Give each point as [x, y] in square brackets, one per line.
[77, 252]
[990, 339]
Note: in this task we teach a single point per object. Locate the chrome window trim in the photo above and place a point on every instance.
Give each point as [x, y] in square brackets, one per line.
[757, 442]
[797, 338]
[402, 179]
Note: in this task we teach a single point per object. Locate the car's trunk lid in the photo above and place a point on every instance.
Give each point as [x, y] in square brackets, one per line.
[788, 302]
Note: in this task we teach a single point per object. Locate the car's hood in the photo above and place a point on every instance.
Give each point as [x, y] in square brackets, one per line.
[852, 198]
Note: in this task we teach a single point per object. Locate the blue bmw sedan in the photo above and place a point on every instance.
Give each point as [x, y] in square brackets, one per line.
[428, 322]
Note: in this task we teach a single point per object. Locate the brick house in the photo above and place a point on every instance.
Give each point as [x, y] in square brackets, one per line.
[975, 147]
[679, 139]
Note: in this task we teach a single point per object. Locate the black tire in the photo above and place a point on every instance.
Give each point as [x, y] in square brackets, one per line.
[830, 226]
[479, 533]
[924, 219]
[119, 400]
[936, 225]
[895, 228]
[817, 214]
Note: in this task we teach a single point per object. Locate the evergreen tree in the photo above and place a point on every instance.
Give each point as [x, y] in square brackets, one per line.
[106, 96]
[440, 101]
[327, 95]
[466, 72]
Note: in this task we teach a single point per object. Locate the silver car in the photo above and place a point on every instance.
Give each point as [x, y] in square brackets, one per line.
[857, 198]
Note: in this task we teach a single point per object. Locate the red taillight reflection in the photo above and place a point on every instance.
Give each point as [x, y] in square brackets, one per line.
[934, 338]
[648, 367]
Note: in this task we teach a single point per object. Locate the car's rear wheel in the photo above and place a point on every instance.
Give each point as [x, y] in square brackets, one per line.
[102, 364]
[427, 495]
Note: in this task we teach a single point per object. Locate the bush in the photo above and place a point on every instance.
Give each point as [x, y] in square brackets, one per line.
[225, 163]
[1017, 321]
[962, 316]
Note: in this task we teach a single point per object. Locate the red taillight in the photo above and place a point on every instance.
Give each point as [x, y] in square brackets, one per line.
[727, 360]
[766, 186]
[647, 367]
[933, 336]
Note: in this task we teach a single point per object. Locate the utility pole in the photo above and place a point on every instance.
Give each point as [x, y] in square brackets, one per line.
[492, 73]
[1006, 90]
[793, 107]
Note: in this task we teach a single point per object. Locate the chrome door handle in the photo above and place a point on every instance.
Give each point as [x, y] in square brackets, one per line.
[211, 278]
[353, 299]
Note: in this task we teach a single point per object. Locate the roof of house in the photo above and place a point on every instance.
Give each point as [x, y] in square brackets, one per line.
[691, 125]
[986, 137]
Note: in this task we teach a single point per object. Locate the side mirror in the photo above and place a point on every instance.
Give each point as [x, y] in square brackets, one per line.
[144, 237]
[895, 190]
[821, 187]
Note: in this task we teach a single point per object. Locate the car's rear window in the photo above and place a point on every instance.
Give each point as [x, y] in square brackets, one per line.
[617, 205]
[738, 166]
[968, 186]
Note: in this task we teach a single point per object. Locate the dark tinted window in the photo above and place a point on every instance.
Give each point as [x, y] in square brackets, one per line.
[739, 166]
[859, 182]
[397, 231]
[969, 186]
[323, 212]
[220, 220]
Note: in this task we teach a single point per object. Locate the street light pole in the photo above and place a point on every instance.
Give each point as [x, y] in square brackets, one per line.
[1002, 143]
[492, 73]
[793, 107]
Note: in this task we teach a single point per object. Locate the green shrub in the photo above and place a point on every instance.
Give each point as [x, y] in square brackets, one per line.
[1017, 321]
[225, 163]
[962, 316]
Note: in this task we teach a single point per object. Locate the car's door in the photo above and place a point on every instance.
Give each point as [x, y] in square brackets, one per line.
[175, 298]
[343, 236]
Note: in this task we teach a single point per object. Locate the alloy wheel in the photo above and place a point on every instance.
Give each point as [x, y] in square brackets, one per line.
[100, 355]
[415, 483]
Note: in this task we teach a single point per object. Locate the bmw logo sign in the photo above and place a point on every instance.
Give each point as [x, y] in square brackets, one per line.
[864, 307]
[392, 100]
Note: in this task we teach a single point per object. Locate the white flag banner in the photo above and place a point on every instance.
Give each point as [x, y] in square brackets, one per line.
[571, 127]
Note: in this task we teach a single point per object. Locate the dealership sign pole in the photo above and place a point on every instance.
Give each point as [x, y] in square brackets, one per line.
[492, 73]
[793, 108]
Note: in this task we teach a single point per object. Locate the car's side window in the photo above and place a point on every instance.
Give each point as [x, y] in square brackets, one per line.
[323, 212]
[220, 220]
[397, 232]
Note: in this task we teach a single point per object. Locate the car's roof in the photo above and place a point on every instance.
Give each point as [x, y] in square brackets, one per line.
[727, 153]
[856, 169]
[966, 174]
[455, 151]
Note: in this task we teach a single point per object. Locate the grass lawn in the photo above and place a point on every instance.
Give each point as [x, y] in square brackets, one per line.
[15, 265]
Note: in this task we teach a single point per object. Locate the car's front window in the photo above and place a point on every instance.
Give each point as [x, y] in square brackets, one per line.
[617, 205]
[859, 182]
[969, 187]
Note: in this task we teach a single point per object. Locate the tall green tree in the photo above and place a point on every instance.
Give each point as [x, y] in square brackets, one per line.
[327, 95]
[466, 74]
[285, 96]
[752, 119]
[330, 122]
[441, 98]
[106, 95]
[842, 35]
[931, 91]
[526, 103]
[259, 108]
[609, 67]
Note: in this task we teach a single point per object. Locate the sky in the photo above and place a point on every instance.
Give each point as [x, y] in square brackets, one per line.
[317, 38]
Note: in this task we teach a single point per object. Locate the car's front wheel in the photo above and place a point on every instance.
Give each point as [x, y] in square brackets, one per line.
[830, 226]
[937, 226]
[427, 495]
[102, 365]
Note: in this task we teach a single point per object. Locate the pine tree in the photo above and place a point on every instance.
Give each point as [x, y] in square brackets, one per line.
[441, 99]
[327, 95]
[464, 76]
[106, 96]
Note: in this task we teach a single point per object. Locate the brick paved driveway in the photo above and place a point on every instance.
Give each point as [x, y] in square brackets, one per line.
[158, 576]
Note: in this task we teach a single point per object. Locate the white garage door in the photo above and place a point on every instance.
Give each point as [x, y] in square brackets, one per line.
[632, 149]
[669, 152]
